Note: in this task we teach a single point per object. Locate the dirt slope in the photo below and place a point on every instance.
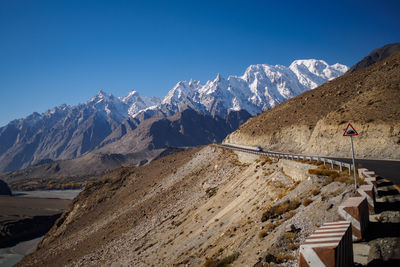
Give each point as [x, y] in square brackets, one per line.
[192, 207]
[314, 122]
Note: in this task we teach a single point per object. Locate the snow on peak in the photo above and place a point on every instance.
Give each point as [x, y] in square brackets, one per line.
[100, 97]
[262, 86]
[136, 102]
[312, 72]
[180, 91]
[218, 78]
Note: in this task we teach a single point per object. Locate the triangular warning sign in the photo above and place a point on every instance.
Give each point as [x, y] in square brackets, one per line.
[350, 131]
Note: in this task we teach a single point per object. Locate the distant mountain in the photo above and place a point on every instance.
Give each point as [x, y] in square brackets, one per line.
[186, 128]
[261, 87]
[63, 132]
[376, 56]
[67, 132]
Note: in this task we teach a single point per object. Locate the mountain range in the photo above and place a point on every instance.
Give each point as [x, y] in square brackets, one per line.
[106, 122]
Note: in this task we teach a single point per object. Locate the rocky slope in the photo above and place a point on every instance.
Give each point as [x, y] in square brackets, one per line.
[187, 128]
[314, 122]
[205, 205]
[376, 56]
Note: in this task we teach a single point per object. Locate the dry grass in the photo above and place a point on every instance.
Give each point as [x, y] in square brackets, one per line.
[327, 181]
[210, 262]
[271, 226]
[293, 246]
[307, 202]
[321, 171]
[282, 257]
[315, 191]
[286, 189]
[264, 159]
[262, 234]
[280, 209]
[291, 236]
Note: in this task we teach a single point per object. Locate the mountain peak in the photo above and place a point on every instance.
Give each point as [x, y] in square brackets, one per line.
[218, 78]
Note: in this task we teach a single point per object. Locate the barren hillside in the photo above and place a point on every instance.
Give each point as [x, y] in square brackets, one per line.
[197, 207]
[314, 121]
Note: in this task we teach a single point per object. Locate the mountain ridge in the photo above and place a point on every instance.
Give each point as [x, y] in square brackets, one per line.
[67, 132]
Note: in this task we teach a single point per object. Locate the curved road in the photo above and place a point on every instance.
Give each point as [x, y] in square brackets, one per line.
[389, 169]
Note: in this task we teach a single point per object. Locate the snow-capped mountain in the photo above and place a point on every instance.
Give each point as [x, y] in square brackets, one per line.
[137, 102]
[259, 88]
[69, 131]
[66, 131]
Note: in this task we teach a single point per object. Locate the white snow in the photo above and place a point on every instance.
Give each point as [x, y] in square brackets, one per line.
[261, 87]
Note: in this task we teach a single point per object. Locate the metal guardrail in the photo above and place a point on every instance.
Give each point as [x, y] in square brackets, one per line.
[293, 156]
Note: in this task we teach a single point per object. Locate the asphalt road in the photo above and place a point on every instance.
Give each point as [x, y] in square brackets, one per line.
[388, 169]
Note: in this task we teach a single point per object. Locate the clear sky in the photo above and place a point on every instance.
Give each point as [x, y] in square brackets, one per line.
[54, 52]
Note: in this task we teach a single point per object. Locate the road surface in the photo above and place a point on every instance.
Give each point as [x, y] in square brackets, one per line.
[389, 169]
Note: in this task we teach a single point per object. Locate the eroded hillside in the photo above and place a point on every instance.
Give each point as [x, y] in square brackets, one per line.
[314, 121]
[195, 207]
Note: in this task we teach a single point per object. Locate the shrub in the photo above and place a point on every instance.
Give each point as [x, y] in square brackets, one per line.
[221, 262]
[322, 171]
[211, 191]
[280, 209]
[262, 234]
[280, 258]
[265, 159]
[290, 236]
[290, 214]
[307, 202]
[293, 246]
[284, 257]
[271, 226]
[315, 191]
[327, 181]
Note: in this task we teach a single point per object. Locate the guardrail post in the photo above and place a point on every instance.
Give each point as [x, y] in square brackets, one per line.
[340, 166]
[324, 161]
[329, 245]
[331, 164]
[356, 211]
[368, 192]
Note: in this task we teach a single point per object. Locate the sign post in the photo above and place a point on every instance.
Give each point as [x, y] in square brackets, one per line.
[350, 131]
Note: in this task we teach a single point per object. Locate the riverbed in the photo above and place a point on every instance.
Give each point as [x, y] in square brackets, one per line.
[9, 256]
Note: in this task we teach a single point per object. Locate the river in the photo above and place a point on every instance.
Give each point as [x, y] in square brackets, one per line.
[9, 256]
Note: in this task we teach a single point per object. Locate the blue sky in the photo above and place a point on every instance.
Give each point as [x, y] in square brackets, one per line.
[55, 52]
